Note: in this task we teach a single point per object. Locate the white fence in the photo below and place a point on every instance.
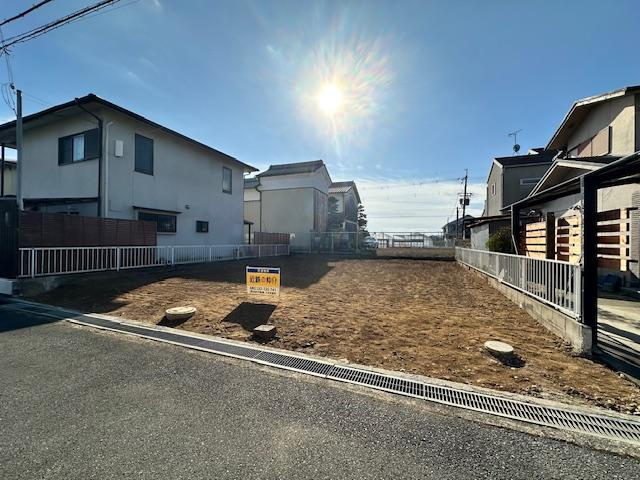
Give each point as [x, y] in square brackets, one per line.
[358, 242]
[553, 282]
[41, 261]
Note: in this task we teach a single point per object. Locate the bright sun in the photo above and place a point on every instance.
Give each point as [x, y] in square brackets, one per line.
[330, 99]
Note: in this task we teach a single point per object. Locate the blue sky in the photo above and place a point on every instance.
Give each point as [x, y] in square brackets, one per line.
[428, 88]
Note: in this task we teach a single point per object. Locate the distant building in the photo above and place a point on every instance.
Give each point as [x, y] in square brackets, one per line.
[347, 200]
[455, 228]
[288, 198]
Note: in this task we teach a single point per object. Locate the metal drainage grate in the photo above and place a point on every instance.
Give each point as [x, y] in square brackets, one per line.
[595, 424]
[294, 363]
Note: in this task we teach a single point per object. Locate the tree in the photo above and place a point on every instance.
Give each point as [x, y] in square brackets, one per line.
[362, 218]
[334, 223]
[501, 241]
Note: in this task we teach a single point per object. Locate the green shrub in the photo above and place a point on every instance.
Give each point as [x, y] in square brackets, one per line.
[501, 241]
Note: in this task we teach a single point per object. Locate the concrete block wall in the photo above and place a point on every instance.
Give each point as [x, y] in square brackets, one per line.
[567, 328]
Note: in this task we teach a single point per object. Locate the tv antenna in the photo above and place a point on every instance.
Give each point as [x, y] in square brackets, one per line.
[516, 147]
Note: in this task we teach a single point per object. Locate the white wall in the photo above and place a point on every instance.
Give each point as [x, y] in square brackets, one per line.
[42, 177]
[9, 180]
[187, 178]
[610, 198]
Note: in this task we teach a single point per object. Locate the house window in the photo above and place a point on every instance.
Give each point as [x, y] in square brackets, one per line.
[79, 147]
[164, 223]
[202, 227]
[144, 155]
[529, 182]
[226, 180]
[493, 189]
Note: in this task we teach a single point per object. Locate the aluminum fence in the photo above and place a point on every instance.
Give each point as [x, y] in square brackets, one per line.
[358, 242]
[553, 282]
[42, 261]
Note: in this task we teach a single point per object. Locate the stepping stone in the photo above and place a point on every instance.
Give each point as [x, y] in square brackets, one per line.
[180, 313]
[264, 332]
[502, 351]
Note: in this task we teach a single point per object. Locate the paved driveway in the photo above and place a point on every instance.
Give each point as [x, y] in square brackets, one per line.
[76, 403]
[619, 333]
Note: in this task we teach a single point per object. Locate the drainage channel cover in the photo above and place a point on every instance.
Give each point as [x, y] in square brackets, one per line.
[595, 424]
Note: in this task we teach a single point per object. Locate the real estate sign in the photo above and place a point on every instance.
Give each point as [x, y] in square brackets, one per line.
[263, 281]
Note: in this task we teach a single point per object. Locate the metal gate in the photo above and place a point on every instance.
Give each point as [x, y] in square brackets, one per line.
[8, 238]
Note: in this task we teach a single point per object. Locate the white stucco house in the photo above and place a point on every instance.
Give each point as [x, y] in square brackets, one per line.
[93, 157]
[289, 198]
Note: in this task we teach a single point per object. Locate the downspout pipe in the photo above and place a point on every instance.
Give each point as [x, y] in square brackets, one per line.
[106, 168]
[100, 157]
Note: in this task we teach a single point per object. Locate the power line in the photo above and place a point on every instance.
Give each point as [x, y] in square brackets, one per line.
[27, 11]
[41, 30]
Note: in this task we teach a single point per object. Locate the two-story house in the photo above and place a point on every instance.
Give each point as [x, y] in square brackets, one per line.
[93, 157]
[289, 198]
[512, 178]
[345, 199]
[596, 132]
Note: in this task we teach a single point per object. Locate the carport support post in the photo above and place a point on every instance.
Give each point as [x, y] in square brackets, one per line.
[515, 227]
[589, 192]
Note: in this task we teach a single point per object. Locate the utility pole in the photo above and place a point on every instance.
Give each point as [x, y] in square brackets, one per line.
[464, 202]
[457, 222]
[19, 149]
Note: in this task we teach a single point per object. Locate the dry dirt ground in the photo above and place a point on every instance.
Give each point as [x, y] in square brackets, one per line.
[425, 317]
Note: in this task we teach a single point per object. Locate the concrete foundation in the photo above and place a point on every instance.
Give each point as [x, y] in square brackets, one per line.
[8, 286]
[564, 326]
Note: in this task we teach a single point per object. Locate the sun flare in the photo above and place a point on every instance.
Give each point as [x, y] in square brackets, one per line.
[330, 99]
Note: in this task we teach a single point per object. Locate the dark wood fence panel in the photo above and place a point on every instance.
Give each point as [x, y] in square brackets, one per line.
[265, 238]
[60, 230]
[8, 238]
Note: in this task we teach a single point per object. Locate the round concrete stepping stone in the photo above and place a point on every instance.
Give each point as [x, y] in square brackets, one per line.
[180, 313]
[500, 350]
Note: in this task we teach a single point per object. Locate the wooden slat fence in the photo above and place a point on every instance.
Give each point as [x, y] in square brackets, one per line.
[266, 238]
[59, 230]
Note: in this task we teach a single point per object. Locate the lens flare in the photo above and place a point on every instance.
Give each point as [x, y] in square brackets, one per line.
[330, 99]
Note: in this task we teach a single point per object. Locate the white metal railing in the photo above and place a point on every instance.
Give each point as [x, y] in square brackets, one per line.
[42, 261]
[554, 282]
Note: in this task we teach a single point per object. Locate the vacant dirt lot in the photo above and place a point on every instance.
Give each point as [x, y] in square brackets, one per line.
[426, 317]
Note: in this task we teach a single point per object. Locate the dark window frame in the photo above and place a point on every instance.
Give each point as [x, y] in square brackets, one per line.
[200, 224]
[150, 218]
[224, 170]
[71, 137]
[135, 155]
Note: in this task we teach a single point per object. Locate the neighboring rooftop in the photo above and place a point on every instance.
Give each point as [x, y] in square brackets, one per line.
[544, 156]
[579, 111]
[251, 182]
[292, 168]
[7, 130]
[459, 220]
[344, 187]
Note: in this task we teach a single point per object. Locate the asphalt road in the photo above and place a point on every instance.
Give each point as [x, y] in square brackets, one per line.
[80, 403]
